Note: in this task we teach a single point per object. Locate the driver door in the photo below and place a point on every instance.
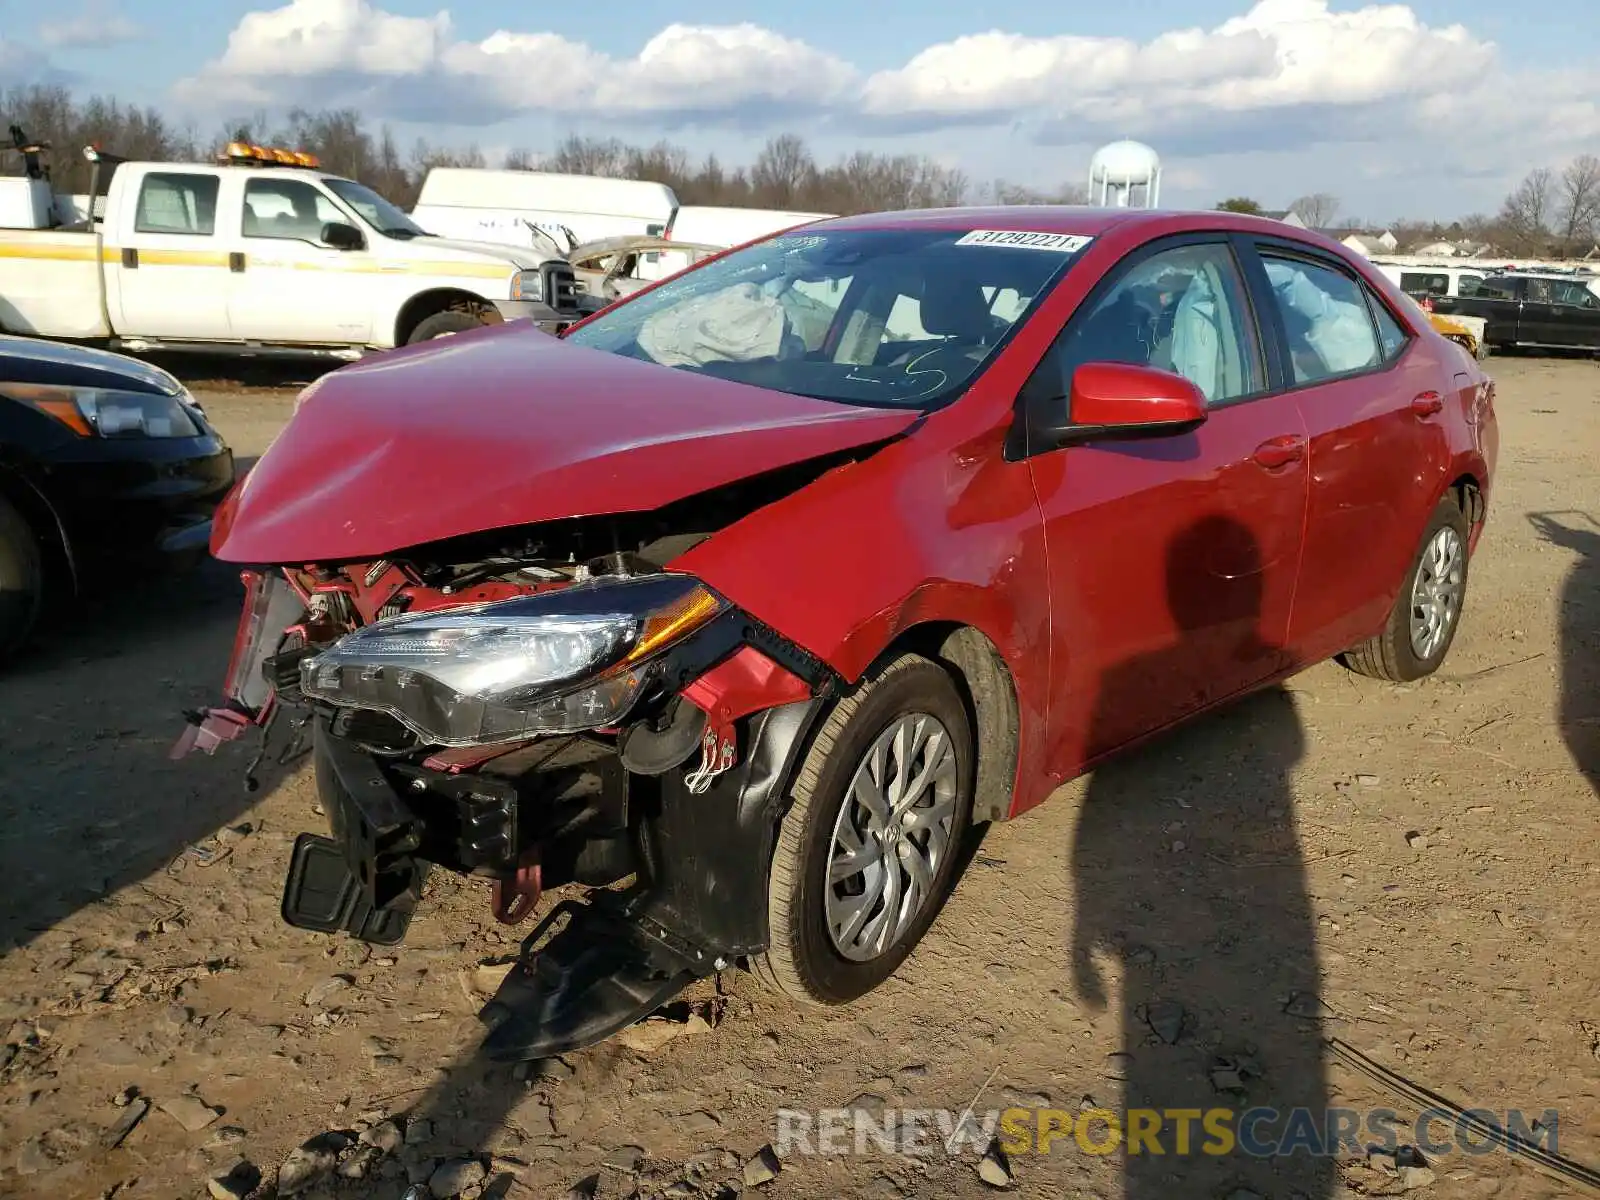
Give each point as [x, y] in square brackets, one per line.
[288, 285]
[1172, 560]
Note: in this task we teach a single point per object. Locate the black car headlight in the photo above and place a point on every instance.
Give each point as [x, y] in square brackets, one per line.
[109, 413]
[554, 662]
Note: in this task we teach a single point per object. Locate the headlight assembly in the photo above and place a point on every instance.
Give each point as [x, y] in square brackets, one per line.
[106, 413]
[555, 662]
[527, 285]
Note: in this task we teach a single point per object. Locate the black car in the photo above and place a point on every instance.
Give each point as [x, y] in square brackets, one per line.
[105, 462]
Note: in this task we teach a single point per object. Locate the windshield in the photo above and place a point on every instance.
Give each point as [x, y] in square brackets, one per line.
[897, 318]
[374, 209]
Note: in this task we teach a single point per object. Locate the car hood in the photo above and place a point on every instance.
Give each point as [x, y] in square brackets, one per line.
[510, 426]
[28, 360]
[523, 257]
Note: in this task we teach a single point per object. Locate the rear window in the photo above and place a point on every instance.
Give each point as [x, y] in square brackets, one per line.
[1498, 287]
[1420, 283]
[894, 318]
[177, 204]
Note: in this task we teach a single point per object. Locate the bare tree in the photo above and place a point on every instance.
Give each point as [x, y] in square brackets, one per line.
[1001, 192]
[783, 170]
[1318, 210]
[1525, 216]
[588, 156]
[1578, 207]
[784, 175]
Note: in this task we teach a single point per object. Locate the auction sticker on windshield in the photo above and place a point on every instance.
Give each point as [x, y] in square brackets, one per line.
[1064, 243]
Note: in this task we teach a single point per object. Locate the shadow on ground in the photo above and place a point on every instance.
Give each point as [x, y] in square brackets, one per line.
[1188, 872]
[1579, 624]
[89, 801]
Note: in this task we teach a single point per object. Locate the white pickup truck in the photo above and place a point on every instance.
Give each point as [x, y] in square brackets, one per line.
[260, 253]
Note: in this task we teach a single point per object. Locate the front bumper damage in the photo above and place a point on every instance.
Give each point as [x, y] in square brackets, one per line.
[664, 841]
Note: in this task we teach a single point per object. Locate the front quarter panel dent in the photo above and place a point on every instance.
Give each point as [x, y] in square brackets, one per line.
[915, 535]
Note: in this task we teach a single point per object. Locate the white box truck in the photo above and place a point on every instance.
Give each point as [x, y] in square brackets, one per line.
[510, 205]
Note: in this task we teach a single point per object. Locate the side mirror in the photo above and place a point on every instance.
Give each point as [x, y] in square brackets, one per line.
[1120, 399]
[1108, 400]
[342, 236]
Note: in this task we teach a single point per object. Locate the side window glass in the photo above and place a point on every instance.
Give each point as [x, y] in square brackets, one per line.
[176, 203]
[1181, 310]
[1391, 335]
[1468, 285]
[1325, 317]
[286, 209]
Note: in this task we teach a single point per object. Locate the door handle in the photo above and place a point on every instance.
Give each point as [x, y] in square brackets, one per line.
[1425, 404]
[1276, 453]
[130, 258]
[236, 261]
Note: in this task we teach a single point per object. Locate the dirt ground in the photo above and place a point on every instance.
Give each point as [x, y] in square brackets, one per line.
[1412, 870]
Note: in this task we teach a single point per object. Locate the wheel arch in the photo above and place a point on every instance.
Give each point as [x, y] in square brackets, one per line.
[436, 300]
[989, 693]
[61, 567]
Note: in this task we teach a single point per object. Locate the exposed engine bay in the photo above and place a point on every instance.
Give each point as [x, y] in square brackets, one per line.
[543, 707]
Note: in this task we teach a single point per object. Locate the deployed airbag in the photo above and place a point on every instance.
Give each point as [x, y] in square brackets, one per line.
[741, 323]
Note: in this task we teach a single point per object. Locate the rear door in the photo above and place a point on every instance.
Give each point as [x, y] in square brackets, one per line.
[288, 284]
[1372, 394]
[1171, 560]
[166, 258]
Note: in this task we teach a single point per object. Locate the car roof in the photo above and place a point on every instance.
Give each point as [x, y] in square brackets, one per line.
[1083, 220]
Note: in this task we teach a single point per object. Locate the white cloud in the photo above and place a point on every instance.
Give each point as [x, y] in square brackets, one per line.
[96, 26]
[1281, 77]
[412, 66]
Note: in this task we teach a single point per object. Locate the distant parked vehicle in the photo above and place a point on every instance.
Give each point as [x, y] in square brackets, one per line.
[1533, 311]
[1435, 282]
[259, 253]
[495, 205]
[104, 460]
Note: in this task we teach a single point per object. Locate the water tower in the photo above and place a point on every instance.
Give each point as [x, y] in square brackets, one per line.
[1125, 175]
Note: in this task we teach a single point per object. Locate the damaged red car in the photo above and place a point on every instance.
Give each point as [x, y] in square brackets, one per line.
[736, 606]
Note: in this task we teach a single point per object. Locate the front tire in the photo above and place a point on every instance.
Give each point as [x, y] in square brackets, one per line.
[867, 852]
[21, 580]
[1423, 623]
[444, 324]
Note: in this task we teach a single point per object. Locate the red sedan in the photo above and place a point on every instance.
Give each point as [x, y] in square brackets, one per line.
[740, 602]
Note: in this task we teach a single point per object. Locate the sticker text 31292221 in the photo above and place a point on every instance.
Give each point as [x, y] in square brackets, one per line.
[1061, 243]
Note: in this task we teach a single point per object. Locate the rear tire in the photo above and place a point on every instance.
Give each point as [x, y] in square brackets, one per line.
[443, 325]
[1423, 623]
[21, 580]
[908, 720]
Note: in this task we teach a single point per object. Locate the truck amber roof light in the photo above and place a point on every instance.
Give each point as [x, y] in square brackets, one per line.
[247, 154]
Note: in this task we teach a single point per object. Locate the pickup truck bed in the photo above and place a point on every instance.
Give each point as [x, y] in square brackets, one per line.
[52, 280]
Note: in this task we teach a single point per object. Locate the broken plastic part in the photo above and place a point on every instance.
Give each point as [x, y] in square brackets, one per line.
[598, 975]
[321, 893]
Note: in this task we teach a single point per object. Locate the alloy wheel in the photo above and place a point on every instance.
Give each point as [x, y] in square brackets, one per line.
[891, 836]
[1436, 594]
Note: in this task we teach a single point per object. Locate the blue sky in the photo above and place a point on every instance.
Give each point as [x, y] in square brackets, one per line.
[1425, 108]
